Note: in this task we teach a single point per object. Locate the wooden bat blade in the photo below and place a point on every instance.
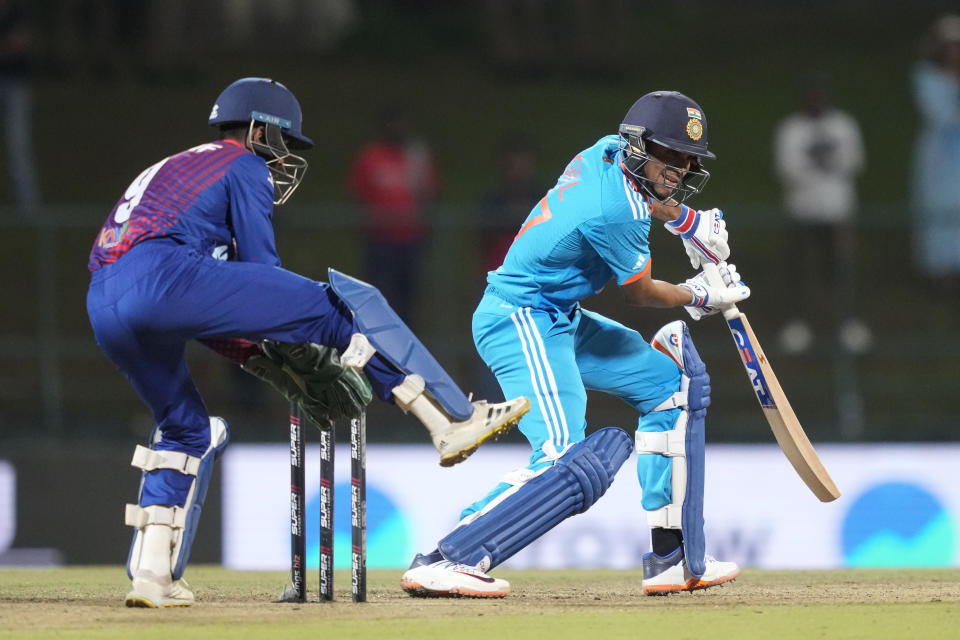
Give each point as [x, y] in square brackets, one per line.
[778, 412]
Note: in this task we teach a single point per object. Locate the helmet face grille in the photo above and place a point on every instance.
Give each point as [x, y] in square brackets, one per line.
[286, 169]
[634, 157]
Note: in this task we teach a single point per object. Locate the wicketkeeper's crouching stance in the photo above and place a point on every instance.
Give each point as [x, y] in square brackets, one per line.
[189, 253]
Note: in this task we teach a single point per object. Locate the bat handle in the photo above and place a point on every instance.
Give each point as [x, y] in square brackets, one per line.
[731, 312]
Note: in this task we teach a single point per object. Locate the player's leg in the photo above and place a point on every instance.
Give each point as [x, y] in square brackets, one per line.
[531, 352]
[258, 301]
[182, 448]
[668, 385]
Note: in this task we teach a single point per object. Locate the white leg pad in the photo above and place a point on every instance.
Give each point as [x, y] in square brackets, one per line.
[178, 523]
[673, 445]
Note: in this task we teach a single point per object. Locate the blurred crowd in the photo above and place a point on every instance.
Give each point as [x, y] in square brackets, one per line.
[818, 150]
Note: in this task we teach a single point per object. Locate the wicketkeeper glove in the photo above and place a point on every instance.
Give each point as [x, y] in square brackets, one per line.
[712, 297]
[311, 376]
[704, 235]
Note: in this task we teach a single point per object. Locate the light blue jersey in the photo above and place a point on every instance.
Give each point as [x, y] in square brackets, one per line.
[531, 331]
[590, 228]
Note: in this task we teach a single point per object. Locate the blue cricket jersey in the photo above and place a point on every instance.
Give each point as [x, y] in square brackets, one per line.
[591, 227]
[216, 197]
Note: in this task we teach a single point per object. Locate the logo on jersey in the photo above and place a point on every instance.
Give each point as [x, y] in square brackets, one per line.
[111, 236]
[640, 262]
[694, 129]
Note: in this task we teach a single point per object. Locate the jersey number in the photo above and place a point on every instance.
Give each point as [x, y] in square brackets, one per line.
[134, 192]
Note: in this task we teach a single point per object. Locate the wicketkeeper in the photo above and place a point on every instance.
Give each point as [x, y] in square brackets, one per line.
[188, 253]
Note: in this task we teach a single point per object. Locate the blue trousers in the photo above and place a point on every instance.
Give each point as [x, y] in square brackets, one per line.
[553, 358]
[146, 306]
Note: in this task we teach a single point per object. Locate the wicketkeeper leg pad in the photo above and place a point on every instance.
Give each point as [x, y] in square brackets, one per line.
[539, 500]
[183, 520]
[394, 341]
[683, 444]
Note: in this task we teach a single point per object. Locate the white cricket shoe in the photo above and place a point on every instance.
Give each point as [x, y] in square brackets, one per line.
[152, 591]
[663, 575]
[429, 577]
[489, 421]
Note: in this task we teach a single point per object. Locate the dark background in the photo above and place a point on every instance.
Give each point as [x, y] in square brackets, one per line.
[118, 85]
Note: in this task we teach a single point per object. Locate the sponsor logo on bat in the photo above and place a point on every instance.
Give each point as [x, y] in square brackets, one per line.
[752, 364]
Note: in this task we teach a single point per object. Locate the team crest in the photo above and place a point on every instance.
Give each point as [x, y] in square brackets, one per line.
[694, 129]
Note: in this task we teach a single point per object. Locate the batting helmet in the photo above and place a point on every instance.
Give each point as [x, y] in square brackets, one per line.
[672, 120]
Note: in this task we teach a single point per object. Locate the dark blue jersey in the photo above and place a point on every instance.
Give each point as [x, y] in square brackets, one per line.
[217, 197]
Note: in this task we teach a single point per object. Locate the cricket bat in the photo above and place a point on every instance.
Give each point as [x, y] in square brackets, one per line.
[776, 408]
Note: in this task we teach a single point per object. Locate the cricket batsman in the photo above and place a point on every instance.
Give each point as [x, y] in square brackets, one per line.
[187, 253]
[590, 228]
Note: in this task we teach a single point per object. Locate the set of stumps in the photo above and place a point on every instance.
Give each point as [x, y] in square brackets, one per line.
[297, 591]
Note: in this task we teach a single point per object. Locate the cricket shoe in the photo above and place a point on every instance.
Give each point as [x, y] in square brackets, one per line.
[663, 575]
[488, 422]
[432, 575]
[154, 592]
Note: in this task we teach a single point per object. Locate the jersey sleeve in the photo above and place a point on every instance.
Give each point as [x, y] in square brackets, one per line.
[622, 243]
[251, 210]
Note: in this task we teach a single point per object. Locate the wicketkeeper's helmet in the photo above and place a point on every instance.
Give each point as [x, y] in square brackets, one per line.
[256, 101]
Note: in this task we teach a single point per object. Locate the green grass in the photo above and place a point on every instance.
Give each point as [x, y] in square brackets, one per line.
[86, 602]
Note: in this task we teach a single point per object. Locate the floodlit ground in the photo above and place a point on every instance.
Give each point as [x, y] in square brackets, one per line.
[87, 602]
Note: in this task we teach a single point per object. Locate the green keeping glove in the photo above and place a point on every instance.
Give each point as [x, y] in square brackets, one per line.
[325, 386]
[273, 373]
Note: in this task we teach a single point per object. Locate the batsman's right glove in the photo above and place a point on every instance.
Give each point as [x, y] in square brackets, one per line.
[712, 297]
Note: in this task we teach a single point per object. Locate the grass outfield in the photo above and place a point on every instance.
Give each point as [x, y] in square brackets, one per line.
[86, 602]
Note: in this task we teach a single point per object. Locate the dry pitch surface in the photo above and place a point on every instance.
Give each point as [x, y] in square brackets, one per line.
[86, 602]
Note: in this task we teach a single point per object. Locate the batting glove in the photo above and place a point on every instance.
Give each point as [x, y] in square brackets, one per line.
[712, 297]
[704, 235]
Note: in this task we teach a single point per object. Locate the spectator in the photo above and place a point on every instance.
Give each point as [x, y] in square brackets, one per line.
[818, 156]
[394, 178]
[501, 212]
[504, 208]
[15, 102]
[936, 183]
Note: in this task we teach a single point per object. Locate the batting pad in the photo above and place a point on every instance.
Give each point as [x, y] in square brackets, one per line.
[684, 445]
[570, 486]
[395, 341]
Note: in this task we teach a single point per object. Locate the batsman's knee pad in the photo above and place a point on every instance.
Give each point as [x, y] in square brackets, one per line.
[183, 520]
[539, 500]
[683, 444]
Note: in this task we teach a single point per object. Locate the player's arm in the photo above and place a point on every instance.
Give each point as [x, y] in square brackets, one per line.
[700, 297]
[251, 210]
[644, 291]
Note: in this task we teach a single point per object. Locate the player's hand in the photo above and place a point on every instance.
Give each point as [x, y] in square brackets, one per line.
[704, 235]
[711, 296]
